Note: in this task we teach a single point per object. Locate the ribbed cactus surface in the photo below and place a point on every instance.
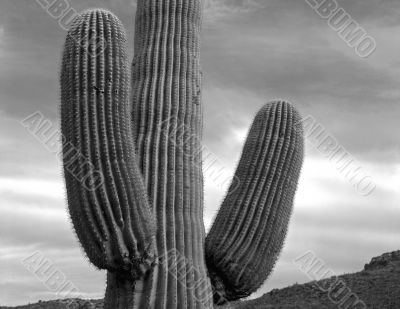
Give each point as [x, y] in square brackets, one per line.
[167, 120]
[109, 208]
[136, 136]
[250, 228]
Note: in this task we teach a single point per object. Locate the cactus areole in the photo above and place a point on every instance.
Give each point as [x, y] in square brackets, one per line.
[136, 136]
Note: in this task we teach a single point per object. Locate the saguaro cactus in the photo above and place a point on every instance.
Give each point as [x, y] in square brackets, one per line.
[136, 138]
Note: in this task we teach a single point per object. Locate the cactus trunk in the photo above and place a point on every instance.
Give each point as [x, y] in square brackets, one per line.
[166, 124]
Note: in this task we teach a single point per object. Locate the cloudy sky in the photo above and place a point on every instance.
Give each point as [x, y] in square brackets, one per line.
[253, 51]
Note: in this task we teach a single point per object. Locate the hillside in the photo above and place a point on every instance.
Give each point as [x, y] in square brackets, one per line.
[377, 286]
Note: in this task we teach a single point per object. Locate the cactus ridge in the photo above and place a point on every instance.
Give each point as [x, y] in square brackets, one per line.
[136, 138]
[113, 219]
[167, 121]
[249, 231]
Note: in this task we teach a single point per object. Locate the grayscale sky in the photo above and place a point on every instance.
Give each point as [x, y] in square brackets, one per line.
[253, 51]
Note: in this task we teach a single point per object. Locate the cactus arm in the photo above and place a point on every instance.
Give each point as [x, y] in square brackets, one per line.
[105, 190]
[249, 230]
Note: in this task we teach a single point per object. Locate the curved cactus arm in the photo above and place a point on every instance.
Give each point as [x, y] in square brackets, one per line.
[249, 230]
[105, 190]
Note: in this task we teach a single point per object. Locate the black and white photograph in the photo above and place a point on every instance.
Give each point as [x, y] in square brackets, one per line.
[199, 154]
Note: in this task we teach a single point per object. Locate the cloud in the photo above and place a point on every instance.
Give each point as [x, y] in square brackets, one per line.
[215, 10]
[368, 11]
[1, 36]
[383, 12]
[341, 227]
[305, 62]
[30, 59]
[252, 52]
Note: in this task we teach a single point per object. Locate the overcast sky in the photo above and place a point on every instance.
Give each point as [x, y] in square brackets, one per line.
[253, 51]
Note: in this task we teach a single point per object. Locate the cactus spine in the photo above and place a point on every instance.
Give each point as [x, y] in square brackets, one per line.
[143, 222]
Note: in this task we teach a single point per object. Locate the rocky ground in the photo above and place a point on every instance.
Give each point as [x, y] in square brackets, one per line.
[375, 287]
